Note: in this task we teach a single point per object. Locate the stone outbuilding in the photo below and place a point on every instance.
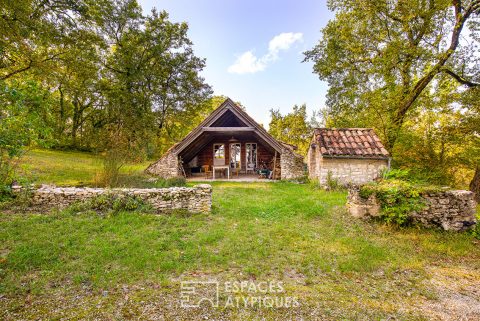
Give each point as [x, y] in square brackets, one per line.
[231, 144]
[347, 155]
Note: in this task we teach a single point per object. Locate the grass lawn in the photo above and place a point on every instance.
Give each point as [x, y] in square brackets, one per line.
[62, 265]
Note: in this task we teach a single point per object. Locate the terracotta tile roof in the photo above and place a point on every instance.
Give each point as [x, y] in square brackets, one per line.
[350, 142]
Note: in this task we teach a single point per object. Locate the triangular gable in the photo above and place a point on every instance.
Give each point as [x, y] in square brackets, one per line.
[228, 119]
[228, 106]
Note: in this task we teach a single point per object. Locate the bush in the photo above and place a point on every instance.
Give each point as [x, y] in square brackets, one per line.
[5, 193]
[333, 184]
[476, 230]
[403, 174]
[398, 198]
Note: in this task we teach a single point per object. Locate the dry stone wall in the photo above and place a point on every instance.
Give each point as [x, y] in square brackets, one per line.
[165, 167]
[452, 210]
[291, 165]
[196, 199]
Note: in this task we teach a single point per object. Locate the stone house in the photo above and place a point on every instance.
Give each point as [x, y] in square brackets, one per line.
[229, 141]
[347, 155]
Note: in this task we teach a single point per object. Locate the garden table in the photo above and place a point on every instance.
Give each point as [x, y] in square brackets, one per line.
[221, 167]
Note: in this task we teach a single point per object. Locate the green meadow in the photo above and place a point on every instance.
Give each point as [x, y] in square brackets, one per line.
[71, 265]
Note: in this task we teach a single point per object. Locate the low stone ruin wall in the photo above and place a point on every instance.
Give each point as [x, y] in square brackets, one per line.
[197, 199]
[450, 210]
[291, 165]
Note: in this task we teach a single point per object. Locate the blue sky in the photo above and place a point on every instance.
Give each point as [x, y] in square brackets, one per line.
[254, 49]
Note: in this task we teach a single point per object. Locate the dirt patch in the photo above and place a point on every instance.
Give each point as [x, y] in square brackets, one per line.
[457, 294]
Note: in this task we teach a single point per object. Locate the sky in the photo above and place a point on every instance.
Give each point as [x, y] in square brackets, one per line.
[254, 49]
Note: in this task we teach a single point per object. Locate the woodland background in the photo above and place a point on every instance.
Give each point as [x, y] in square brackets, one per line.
[102, 77]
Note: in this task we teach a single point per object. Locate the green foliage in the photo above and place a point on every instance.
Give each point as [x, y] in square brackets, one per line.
[396, 173]
[5, 194]
[394, 66]
[398, 198]
[332, 183]
[110, 204]
[420, 176]
[294, 128]
[170, 182]
[105, 69]
[476, 230]
[35, 34]
[378, 57]
[22, 114]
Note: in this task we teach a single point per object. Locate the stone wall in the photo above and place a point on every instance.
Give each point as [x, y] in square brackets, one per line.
[344, 170]
[291, 165]
[450, 210]
[165, 167]
[197, 199]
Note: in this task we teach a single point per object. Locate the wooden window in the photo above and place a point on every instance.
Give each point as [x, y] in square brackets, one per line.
[218, 154]
[235, 155]
[251, 156]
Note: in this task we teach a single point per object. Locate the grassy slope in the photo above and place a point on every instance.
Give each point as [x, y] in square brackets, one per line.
[86, 266]
[67, 168]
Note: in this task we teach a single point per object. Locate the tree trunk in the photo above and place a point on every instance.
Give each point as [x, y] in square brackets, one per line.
[475, 184]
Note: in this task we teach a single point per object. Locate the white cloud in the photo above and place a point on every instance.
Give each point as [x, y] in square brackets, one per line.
[249, 63]
[284, 41]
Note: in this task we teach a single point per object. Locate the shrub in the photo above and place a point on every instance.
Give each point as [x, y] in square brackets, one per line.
[476, 230]
[5, 193]
[403, 174]
[332, 183]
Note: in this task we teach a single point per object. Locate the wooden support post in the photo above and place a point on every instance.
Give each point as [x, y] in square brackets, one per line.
[274, 165]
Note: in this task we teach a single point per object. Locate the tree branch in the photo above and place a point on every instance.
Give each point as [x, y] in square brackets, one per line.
[459, 78]
[423, 82]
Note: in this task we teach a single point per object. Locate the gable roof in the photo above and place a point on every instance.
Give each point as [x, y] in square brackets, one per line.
[228, 106]
[349, 143]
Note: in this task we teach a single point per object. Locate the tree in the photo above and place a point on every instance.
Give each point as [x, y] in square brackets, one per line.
[112, 79]
[152, 79]
[435, 140]
[471, 126]
[24, 109]
[379, 57]
[34, 34]
[293, 128]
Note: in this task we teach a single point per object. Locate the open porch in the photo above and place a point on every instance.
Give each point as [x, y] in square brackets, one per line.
[229, 143]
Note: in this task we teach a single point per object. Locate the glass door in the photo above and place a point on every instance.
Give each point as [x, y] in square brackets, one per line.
[235, 156]
[218, 154]
[251, 156]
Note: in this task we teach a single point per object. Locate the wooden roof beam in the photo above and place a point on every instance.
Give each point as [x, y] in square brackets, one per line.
[228, 129]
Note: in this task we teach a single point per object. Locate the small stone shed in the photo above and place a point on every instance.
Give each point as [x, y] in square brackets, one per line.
[229, 137]
[347, 155]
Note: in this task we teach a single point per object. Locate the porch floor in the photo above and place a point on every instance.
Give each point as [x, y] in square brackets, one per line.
[200, 177]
